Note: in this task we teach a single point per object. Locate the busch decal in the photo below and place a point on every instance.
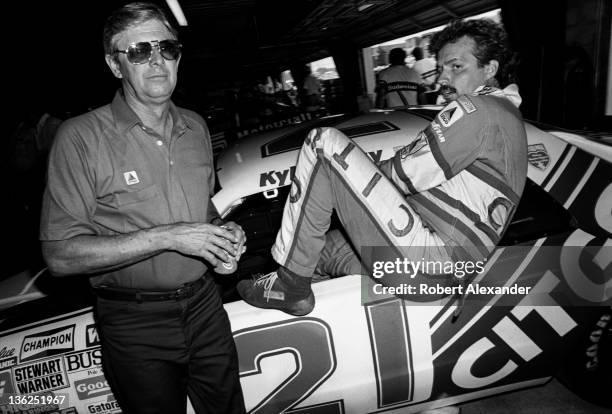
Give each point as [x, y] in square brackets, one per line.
[88, 359]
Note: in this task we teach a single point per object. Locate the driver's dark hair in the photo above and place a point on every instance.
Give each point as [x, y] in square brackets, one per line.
[491, 44]
[130, 15]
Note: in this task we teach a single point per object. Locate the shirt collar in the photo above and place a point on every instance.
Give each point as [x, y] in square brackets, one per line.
[510, 92]
[126, 118]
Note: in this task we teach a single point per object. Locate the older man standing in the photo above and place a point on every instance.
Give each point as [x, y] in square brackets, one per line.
[447, 196]
[128, 203]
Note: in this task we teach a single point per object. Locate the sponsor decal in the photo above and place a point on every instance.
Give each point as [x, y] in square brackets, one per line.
[467, 104]
[286, 176]
[414, 147]
[37, 409]
[6, 386]
[40, 376]
[103, 407]
[402, 86]
[435, 127]
[131, 177]
[450, 114]
[92, 338]
[88, 359]
[48, 343]
[297, 119]
[538, 156]
[9, 362]
[92, 387]
[7, 352]
[277, 177]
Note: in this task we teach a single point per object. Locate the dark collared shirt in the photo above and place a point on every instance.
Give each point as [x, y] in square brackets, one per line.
[109, 174]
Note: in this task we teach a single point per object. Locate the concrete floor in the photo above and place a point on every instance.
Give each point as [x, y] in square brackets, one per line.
[550, 398]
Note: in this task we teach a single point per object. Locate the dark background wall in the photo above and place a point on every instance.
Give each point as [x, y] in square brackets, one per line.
[564, 47]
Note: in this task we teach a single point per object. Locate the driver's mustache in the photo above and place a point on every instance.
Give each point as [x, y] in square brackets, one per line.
[447, 89]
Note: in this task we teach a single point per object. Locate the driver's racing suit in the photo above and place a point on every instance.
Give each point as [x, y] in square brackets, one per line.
[446, 196]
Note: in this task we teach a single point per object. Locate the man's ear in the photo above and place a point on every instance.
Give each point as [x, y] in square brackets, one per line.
[113, 64]
[491, 69]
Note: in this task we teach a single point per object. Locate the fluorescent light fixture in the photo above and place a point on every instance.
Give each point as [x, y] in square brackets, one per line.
[177, 12]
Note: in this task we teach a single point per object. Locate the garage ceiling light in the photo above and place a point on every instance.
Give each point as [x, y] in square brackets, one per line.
[177, 12]
[364, 6]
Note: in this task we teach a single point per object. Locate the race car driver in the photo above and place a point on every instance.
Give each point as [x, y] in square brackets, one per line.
[447, 196]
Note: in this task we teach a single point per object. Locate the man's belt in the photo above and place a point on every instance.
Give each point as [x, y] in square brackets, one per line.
[135, 295]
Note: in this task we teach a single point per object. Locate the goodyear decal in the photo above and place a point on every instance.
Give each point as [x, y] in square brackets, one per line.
[53, 342]
[435, 127]
[40, 376]
[92, 387]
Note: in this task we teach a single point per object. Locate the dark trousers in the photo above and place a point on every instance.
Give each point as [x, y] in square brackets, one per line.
[156, 353]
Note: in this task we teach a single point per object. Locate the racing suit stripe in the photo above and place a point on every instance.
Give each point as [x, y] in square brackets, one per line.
[397, 164]
[450, 222]
[432, 140]
[301, 210]
[469, 213]
[482, 174]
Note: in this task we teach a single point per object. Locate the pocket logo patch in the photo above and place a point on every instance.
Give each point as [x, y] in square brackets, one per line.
[131, 177]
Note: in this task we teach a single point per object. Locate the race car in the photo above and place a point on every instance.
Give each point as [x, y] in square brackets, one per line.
[360, 351]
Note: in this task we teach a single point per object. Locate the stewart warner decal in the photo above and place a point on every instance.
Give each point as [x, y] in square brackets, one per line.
[53, 342]
[41, 376]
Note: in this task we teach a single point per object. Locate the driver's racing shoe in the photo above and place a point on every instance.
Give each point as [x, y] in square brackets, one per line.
[280, 291]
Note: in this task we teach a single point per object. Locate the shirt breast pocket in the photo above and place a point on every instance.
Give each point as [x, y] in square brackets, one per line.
[129, 211]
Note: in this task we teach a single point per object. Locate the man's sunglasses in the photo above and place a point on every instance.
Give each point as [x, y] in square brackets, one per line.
[141, 52]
